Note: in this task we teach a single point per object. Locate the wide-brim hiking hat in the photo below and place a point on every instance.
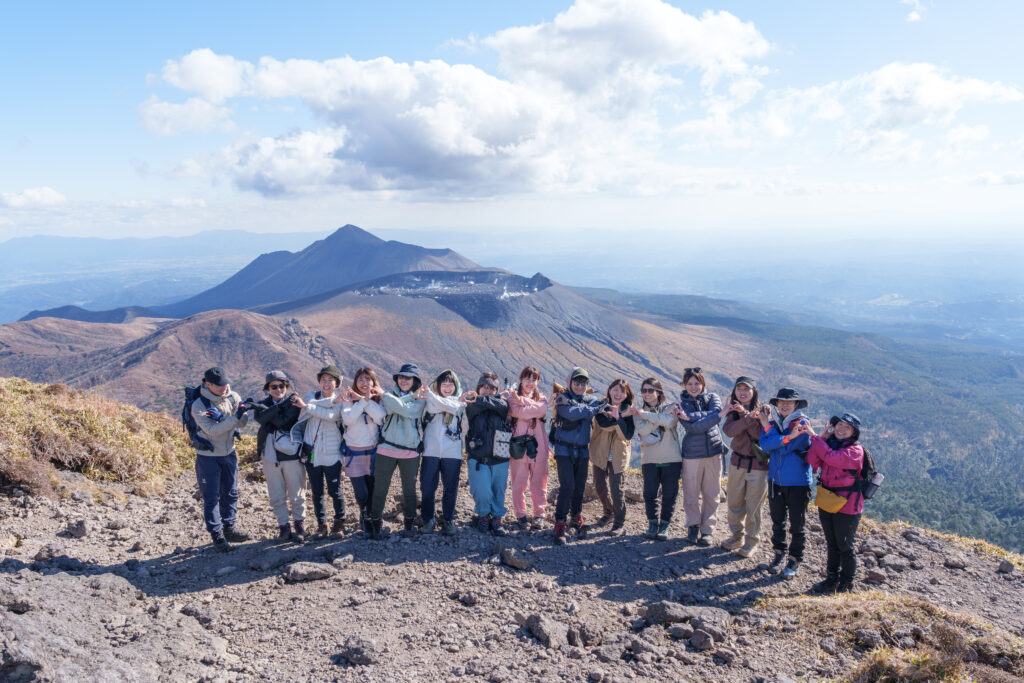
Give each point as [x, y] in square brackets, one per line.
[410, 370]
[848, 418]
[275, 376]
[787, 394]
[216, 376]
[487, 379]
[743, 379]
[330, 371]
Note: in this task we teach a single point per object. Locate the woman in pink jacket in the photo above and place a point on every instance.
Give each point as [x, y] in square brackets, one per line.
[528, 409]
[838, 458]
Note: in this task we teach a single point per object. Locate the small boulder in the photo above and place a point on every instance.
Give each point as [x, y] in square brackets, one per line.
[357, 652]
[510, 558]
[725, 654]
[955, 562]
[308, 571]
[271, 561]
[868, 638]
[875, 577]
[1006, 567]
[590, 635]
[78, 529]
[702, 641]
[680, 631]
[552, 633]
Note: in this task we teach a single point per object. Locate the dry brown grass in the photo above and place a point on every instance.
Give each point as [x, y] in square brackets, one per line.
[950, 641]
[43, 427]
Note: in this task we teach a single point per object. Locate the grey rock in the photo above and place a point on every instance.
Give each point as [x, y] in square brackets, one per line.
[358, 652]
[608, 653]
[702, 641]
[1006, 567]
[224, 571]
[552, 633]
[204, 614]
[308, 571]
[510, 558]
[590, 635]
[343, 561]
[642, 645]
[868, 637]
[725, 654]
[680, 631]
[875, 577]
[955, 562]
[828, 644]
[271, 560]
[78, 529]
[468, 599]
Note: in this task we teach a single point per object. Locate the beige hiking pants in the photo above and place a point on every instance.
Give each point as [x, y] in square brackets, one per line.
[745, 493]
[702, 482]
[286, 484]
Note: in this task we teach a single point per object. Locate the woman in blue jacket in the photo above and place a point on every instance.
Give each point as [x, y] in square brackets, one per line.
[570, 441]
[785, 437]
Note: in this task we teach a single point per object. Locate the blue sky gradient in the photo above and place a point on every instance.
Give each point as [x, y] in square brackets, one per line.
[888, 117]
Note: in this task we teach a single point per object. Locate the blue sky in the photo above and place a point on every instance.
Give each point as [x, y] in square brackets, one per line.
[891, 117]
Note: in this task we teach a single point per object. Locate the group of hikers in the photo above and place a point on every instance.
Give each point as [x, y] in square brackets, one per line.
[428, 432]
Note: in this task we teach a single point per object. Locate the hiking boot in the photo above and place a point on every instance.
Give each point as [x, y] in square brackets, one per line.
[523, 523]
[538, 523]
[429, 525]
[321, 529]
[234, 534]
[747, 550]
[845, 587]
[284, 532]
[652, 529]
[376, 528]
[791, 569]
[219, 542]
[705, 540]
[408, 527]
[828, 586]
[448, 528]
[363, 523]
[338, 528]
[604, 519]
[558, 536]
[619, 523]
[776, 566]
[577, 525]
[662, 534]
[298, 533]
[498, 526]
[733, 542]
[692, 534]
[483, 524]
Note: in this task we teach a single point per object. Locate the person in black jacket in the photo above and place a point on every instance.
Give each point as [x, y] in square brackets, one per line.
[286, 477]
[487, 413]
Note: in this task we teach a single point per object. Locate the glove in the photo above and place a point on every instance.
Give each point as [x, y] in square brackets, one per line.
[214, 414]
[242, 408]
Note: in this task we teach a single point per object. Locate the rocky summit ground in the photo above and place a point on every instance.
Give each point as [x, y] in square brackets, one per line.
[102, 585]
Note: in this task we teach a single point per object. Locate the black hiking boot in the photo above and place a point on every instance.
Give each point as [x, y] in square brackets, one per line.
[234, 534]
[777, 563]
[219, 542]
[652, 529]
[692, 534]
[298, 532]
[826, 587]
[663, 530]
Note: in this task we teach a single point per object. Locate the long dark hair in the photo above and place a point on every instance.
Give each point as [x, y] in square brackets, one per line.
[754, 402]
[373, 378]
[656, 385]
[628, 401]
[694, 372]
[529, 372]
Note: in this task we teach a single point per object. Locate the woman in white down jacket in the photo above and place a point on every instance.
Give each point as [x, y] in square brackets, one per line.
[362, 415]
[442, 450]
[321, 433]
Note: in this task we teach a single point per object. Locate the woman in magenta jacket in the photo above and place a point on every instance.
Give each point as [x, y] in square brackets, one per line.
[838, 458]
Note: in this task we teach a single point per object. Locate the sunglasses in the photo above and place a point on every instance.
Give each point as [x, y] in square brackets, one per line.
[490, 375]
[648, 390]
[277, 385]
[695, 371]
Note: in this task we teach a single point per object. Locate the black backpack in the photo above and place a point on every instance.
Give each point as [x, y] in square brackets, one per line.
[188, 423]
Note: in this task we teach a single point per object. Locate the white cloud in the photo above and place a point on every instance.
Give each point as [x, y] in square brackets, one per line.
[961, 143]
[195, 114]
[916, 12]
[32, 198]
[6, 222]
[992, 179]
[188, 203]
[215, 77]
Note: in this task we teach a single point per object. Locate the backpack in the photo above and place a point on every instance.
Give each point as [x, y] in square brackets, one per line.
[188, 423]
[867, 476]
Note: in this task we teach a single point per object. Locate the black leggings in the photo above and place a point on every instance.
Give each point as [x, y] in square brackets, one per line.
[788, 501]
[332, 474]
[665, 477]
[840, 531]
[362, 487]
[572, 481]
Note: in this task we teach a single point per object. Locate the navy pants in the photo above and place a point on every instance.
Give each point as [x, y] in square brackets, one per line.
[362, 488]
[332, 475]
[218, 483]
[572, 481]
[435, 470]
[666, 478]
